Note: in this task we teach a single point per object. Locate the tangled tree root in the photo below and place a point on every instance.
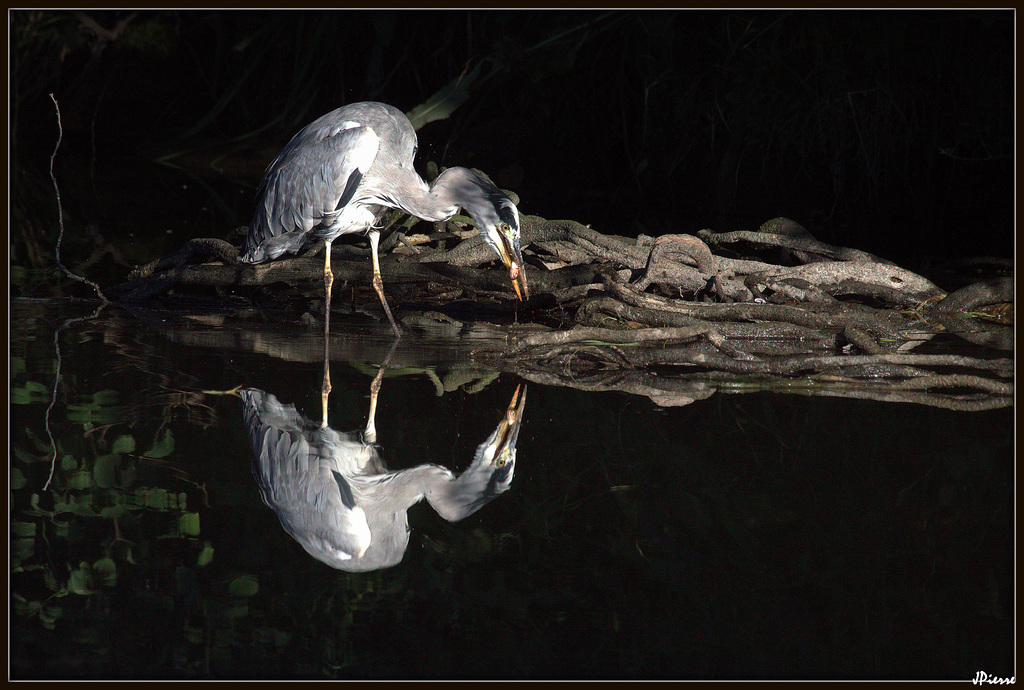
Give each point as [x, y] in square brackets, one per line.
[740, 305]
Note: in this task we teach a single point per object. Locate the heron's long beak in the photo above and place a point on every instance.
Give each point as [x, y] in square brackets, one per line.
[512, 257]
[505, 436]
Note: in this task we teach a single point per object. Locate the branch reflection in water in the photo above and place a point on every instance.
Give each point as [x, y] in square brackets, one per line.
[334, 494]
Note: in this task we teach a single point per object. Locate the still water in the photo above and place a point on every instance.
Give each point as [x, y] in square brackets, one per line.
[742, 535]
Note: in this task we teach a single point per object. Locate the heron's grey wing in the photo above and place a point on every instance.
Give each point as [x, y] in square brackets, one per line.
[296, 466]
[309, 183]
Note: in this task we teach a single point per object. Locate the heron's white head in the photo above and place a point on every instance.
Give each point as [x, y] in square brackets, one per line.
[499, 449]
[497, 219]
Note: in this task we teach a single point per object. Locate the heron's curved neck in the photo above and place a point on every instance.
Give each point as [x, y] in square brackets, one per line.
[454, 188]
[408, 486]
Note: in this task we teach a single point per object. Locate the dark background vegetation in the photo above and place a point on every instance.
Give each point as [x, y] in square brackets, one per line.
[891, 132]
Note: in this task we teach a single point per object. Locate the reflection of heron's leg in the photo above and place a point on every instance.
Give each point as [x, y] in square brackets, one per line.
[370, 435]
[325, 390]
[325, 394]
[378, 282]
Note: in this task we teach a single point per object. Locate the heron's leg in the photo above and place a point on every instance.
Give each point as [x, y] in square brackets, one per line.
[325, 390]
[378, 282]
[328, 284]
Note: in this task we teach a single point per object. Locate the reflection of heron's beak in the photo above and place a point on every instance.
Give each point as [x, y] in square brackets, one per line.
[503, 443]
[232, 391]
[512, 257]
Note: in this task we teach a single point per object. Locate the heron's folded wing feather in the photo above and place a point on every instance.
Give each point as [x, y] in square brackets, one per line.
[308, 184]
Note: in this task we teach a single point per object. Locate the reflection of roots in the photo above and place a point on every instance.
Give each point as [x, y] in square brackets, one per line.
[680, 375]
[806, 348]
[689, 363]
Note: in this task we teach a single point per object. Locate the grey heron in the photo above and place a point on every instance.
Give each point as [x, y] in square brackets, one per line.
[344, 170]
[334, 495]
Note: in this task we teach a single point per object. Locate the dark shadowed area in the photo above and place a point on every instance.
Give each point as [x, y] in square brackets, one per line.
[728, 531]
[891, 132]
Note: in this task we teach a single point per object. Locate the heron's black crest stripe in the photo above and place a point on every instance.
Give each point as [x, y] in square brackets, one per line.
[500, 478]
[507, 211]
[350, 189]
[347, 498]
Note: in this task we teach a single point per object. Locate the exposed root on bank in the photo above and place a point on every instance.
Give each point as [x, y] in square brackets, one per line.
[771, 303]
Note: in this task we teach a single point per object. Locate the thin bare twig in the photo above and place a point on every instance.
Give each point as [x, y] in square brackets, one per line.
[56, 382]
[60, 211]
[56, 336]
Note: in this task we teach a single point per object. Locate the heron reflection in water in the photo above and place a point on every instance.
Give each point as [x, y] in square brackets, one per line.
[335, 496]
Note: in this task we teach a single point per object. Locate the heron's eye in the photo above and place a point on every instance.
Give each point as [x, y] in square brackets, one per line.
[503, 227]
[500, 462]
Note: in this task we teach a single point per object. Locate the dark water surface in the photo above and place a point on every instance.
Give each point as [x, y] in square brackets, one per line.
[740, 536]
